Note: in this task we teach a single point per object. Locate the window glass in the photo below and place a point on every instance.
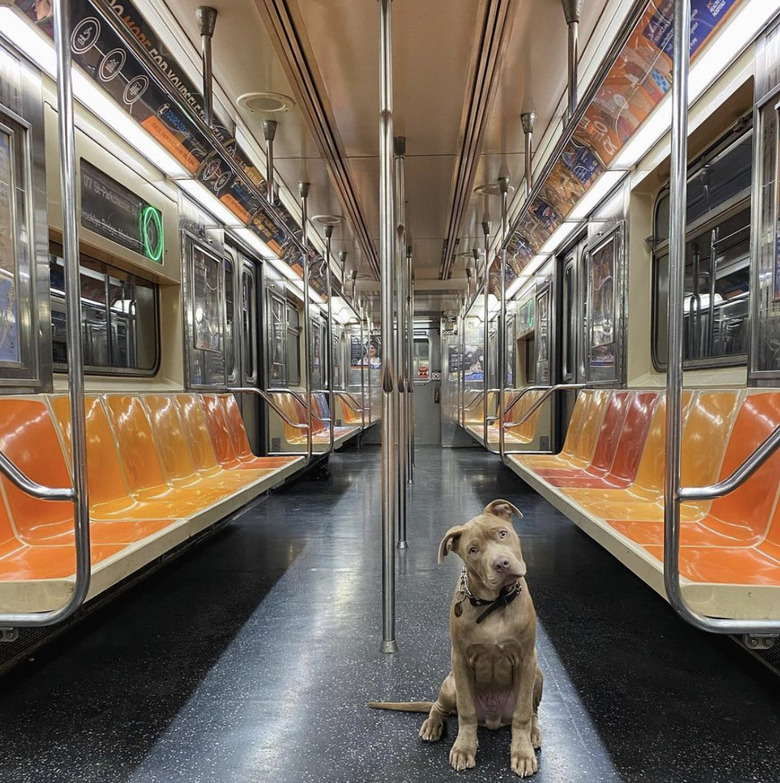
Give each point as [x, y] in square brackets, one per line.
[293, 345]
[248, 342]
[530, 360]
[119, 314]
[717, 262]
[422, 359]
[569, 321]
[230, 347]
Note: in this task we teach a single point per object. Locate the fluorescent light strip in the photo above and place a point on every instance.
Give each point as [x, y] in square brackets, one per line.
[210, 202]
[526, 275]
[604, 184]
[558, 237]
[257, 244]
[40, 50]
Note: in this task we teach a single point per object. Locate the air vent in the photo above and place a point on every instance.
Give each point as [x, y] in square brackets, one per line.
[265, 102]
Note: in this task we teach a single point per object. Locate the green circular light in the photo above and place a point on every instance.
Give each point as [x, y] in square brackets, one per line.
[154, 246]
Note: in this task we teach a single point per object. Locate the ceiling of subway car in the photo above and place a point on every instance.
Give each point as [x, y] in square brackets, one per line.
[463, 70]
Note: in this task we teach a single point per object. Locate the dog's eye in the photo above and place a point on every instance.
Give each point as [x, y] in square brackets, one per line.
[473, 550]
[502, 534]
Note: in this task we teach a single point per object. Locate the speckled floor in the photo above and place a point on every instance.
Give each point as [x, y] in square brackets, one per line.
[252, 658]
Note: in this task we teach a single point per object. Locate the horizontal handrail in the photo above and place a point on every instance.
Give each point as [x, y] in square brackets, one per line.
[301, 399]
[265, 396]
[740, 475]
[31, 487]
[478, 398]
[352, 402]
[548, 392]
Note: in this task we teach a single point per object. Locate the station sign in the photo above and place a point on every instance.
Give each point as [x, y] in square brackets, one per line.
[110, 209]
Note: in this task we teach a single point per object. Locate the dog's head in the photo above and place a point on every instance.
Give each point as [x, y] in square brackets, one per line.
[488, 545]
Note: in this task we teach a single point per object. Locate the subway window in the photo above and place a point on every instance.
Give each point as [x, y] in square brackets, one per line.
[717, 259]
[120, 316]
[230, 340]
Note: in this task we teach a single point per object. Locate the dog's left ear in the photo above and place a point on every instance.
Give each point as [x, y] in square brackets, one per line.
[503, 509]
[450, 541]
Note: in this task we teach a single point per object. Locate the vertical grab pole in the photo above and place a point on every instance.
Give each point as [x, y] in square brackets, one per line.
[386, 245]
[269, 132]
[207, 19]
[503, 186]
[485, 330]
[331, 394]
[404, 379]
[674, 374]
[528, 120]
[70, 249]
[572, 10]
[409, 359]
[303, 192]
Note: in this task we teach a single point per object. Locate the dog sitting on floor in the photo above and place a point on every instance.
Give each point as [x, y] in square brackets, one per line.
[495, 680]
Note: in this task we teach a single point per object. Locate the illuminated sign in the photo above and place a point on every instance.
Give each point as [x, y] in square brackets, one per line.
[108, 208]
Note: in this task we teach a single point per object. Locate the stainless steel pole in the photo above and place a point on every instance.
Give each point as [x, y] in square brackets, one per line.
[329, 293]
[404, 379]
[269, 133]
[528, 120]
[303, 192]
[503, 186]
[409, 360]
[673, 493]
[485, 329]
[207, 19]
[386, 245]
[572, 10]
[70, 243]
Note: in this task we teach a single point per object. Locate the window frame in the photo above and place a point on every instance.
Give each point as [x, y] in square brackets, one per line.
[706, 222]
[107, 370]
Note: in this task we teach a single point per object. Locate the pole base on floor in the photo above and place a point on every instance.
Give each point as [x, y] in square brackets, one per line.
[390, 646]
[403, 545]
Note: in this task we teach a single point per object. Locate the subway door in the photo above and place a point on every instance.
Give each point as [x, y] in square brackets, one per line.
[571, 331]
[241, 275]
[426, 373]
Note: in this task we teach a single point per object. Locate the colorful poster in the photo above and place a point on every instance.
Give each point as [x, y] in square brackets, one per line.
[601, 304]
[101, 53]
[473, 363]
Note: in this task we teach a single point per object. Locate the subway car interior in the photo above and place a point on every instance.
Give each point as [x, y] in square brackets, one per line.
[367, 360]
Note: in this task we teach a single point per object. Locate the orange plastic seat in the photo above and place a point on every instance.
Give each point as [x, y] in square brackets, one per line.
[142, 468]
[745, 517]
[175, 455]
[31, 442]
[518, 434]
[606, 444]
[581, 436]
[638, 511]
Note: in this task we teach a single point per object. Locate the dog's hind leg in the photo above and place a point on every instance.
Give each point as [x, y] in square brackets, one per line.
[446, 704]
[536, 735]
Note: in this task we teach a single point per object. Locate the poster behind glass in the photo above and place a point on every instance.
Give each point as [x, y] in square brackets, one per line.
[208, 359]
[602, 311]
[542, 339]
[9, 322]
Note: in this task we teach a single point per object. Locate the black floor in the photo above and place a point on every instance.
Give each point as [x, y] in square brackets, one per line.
[252, 658]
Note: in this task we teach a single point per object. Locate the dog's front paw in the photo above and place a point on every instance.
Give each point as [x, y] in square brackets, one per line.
[524, 763]
[432, 729]
[462, 758]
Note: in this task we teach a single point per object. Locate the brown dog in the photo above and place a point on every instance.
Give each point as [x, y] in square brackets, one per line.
[495, 680]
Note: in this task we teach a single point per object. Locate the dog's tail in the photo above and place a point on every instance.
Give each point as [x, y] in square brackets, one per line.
[402, 706]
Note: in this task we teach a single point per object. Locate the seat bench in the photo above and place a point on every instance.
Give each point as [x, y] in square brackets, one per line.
[730, 547]
[161, 468]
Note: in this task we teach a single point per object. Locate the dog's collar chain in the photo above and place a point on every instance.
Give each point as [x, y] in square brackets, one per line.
[503, 600]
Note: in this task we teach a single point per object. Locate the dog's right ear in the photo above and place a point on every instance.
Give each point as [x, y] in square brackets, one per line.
[450, 541]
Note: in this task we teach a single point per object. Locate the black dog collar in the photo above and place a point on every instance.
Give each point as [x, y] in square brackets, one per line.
[503, 600]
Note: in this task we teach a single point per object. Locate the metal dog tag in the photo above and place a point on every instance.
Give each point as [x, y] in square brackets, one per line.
[458, 609]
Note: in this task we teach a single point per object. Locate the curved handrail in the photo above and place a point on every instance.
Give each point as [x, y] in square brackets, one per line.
[548, 392]
[79, 493]
[351, 401]
[673, 492]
